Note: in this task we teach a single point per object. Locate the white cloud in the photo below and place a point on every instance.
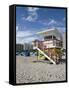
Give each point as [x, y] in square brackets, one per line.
[32, 14]
[23, 34]
[52, 22]
[49, 22]
[19, 40]
[17, 27]
[32, 17]
[29, 39]
[32, 9]
[26, 40]
[29, 18]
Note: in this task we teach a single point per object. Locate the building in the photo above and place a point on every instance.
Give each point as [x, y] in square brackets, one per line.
[64, 40]
[38, 43]
[22, 47]
[51, 44]
[19, 47]
[52, 38]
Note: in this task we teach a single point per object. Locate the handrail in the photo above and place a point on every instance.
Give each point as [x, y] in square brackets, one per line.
[51, 60]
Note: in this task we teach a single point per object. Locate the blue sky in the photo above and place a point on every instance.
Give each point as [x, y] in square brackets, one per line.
[30, 20]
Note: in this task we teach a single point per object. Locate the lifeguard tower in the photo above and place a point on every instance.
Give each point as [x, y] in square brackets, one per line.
[51, 45]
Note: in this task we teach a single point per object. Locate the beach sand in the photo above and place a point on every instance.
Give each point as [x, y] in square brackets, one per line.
[31, 70]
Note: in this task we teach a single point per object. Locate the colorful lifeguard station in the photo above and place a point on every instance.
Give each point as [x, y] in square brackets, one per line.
[50, 47]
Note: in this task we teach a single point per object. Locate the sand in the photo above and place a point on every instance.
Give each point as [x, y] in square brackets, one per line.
[31, 70]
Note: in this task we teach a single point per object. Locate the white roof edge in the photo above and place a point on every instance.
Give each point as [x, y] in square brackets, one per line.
[52, 29]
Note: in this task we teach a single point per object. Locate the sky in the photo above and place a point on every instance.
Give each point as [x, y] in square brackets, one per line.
[30, 20]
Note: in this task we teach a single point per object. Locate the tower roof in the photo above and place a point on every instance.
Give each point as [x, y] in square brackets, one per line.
[50, 32]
